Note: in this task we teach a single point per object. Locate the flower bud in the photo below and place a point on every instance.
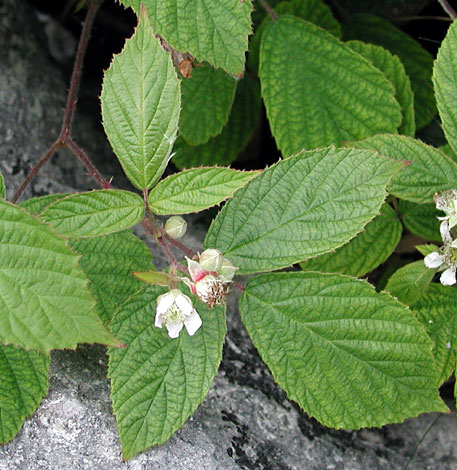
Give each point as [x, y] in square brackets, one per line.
[227, 270]
[176, 226]
[211, 260]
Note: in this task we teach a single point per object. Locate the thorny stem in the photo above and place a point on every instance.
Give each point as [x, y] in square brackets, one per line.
[178, 244]
[64, 139]
[268, 9]
[90, 167]
[448, 9]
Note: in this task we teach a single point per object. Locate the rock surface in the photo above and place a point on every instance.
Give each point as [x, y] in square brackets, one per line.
[246, 422]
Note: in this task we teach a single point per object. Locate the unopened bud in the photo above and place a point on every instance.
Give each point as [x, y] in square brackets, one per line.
[176, 226]
[211, 260]
[227, 270]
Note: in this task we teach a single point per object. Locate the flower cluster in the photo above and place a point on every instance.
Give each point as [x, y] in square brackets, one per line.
[446, 259]
[210, 276]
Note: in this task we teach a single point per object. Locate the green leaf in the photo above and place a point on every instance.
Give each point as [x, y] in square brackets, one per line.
[447, 149]
[410, 282]
[36, 205]
[23, 383]
[421, 219]
[301, 207]
[224, 148]
[426, 249]
[393, 69]
[314, 11]
[437, 311]
[444, 80]
[417, 61]
[196, 189]
[318, 91]
[44, 299]
[140, 106]
[430, 169]
[2, 188]
[216, 32]
[109, 262]
[366, 251]
[94, 213]
[207, 98]
[350, 357]
[154, 277]
[158, 382]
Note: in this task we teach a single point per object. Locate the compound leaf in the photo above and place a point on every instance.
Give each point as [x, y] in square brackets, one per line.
[109, 262]
[421, 219]
[430, 170]
[94, 213]
[158, 382]
[196, 189]
[318, 91]
[216, 32]
[366, 251]
[331, 342]
[207, 98]
[225, 147]
[44, 299]
[23, 383]
[417, 61]
[444, 80]
[391, 66]
[140, 106]
[437, 310]
[301, 207]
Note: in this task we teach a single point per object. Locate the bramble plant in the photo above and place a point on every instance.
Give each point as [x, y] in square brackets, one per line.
[343, 103]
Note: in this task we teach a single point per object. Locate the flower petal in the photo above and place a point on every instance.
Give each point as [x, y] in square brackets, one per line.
[195, 270]
[164, 302]
[184, 304]
[193, 323]
[434, 260]
[445, 233]
[158, 322]
[174, 329]
[448, 277]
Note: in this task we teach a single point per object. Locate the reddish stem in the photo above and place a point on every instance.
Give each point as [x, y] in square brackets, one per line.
[178, 244]
[64, 139]
[268, 9]
[90, 167]
[448, 9]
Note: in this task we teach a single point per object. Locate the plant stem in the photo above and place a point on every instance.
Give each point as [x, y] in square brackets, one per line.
[90, 167]
[447, 8]
[178, 244]
[405, 19]
[64, 139]
[72, 97]
[268, 9]
[34, 171]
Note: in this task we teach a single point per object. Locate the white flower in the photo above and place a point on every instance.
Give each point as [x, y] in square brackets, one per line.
[446, 259]
[175, 310]
[447, 202]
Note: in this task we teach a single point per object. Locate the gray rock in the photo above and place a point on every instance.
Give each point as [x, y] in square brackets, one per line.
[246, 421]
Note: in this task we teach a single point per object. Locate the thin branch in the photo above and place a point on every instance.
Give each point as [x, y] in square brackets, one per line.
[64, 139]
[447, 8]
[90, 167]
[268, 9]
[405, 19]
[239, 286]
[178, 244]
[34, 171]
[72, 97]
